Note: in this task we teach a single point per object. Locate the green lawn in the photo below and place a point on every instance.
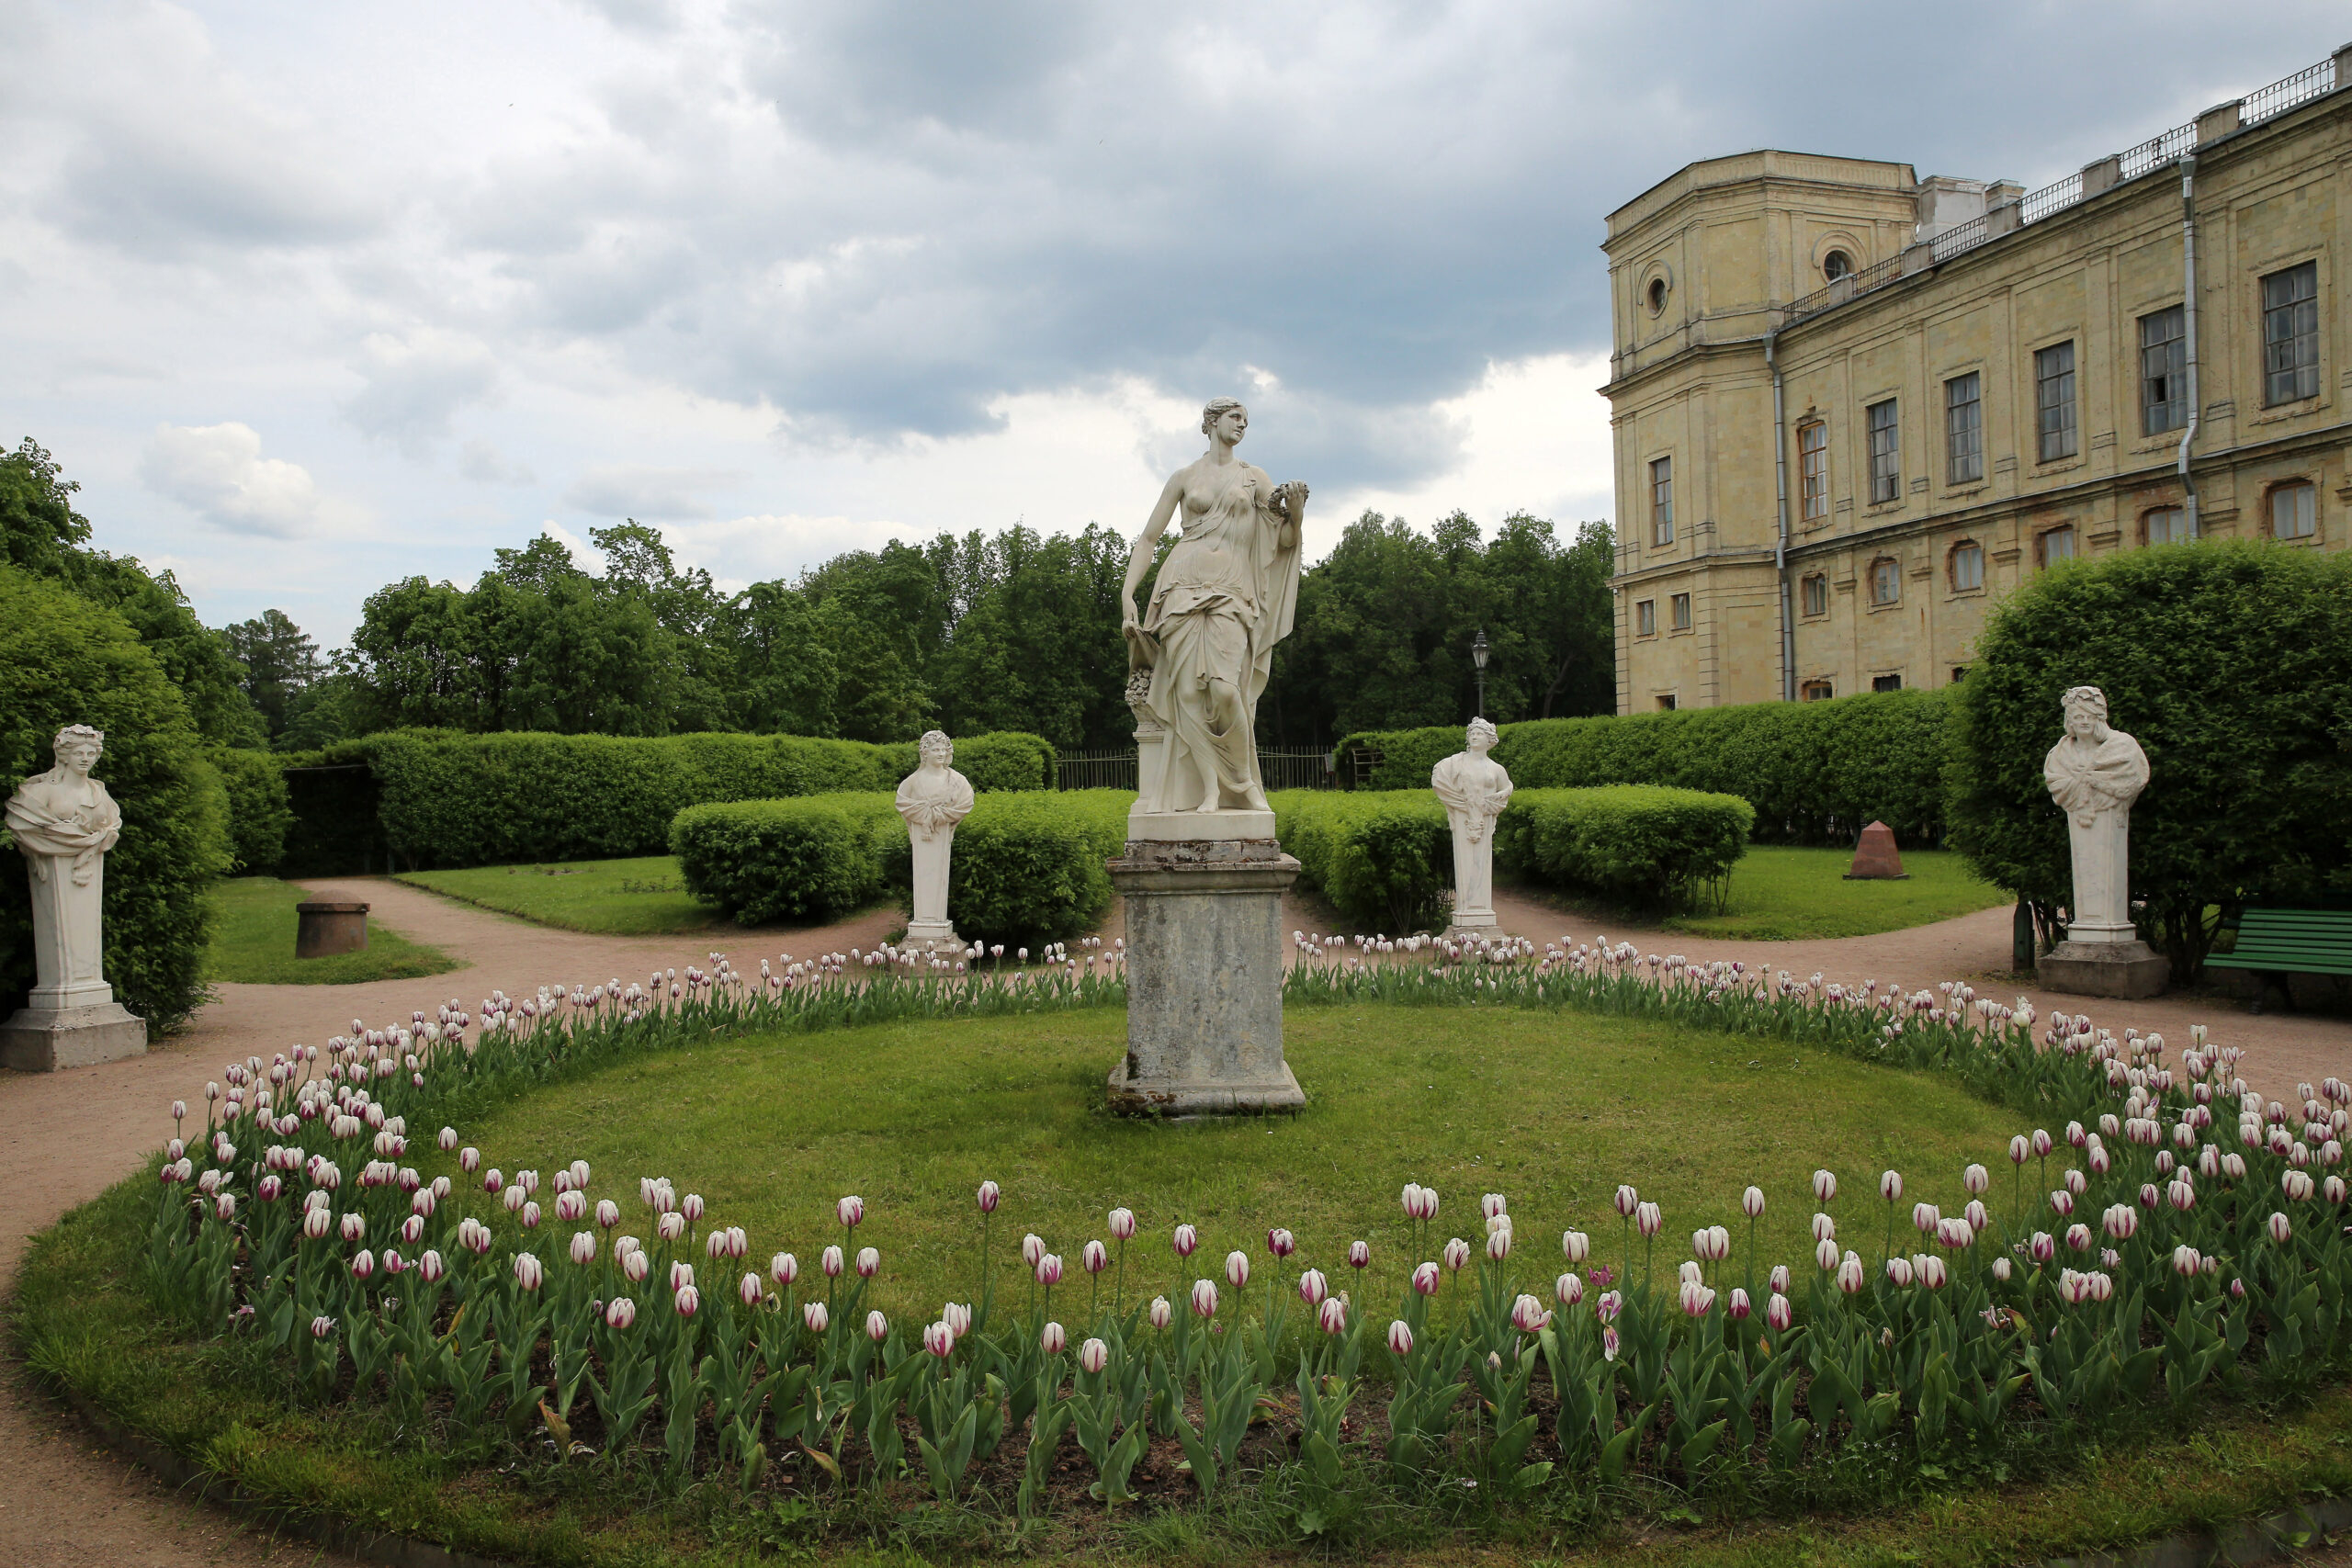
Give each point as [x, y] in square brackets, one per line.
[1784, 894]
[252, 943]
[1554, 1112]
[641, 897]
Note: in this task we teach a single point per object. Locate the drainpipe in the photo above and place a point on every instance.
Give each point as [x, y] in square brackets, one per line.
[2188, 329]
[1780, 489]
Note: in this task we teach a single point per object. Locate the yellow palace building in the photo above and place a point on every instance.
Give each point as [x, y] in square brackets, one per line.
[1852, 406]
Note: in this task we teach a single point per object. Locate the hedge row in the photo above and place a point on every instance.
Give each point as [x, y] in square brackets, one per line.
[1028, 864]
[1815, 773]
[445, 798]
[259, 809]
[1384, 858]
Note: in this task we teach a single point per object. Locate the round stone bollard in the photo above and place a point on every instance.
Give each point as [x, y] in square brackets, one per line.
[326, 927]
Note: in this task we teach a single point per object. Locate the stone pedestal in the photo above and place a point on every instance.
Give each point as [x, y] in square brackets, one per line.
[1467, 923]
[1876, 859]
[2127, 969]
[1204, 975]
[42, 1040]
[929, 933]
[320, 929]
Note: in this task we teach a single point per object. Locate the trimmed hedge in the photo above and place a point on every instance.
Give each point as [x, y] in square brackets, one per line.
[803, 861]
[1815, 773]
[1637, 845]
[1028, 864]
[259, 809]
[439, 797]
[1381, 858]
[66, 661]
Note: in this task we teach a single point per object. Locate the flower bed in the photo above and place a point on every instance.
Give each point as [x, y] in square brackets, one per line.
[2156, 1260]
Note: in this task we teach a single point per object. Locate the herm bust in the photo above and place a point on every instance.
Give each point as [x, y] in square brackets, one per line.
[1475, 789]
[2095, 773]
[933, 799]
[64, 822]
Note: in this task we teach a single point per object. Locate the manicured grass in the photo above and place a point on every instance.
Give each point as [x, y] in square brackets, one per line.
[645, 895]
[1783, 894]
[252, 943]
[1554, 1110]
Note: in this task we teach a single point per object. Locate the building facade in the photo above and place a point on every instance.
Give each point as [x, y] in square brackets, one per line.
[1851, 406]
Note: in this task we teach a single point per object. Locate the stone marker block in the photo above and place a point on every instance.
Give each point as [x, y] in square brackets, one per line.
[1204, 978]
[321, 929]
[2131, 970]
[1875, 857]
[43, 1040]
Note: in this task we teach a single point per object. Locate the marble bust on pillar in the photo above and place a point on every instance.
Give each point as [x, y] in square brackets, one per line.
[64, 822]
[1475, 789]
[933, 799]
[2095, 773]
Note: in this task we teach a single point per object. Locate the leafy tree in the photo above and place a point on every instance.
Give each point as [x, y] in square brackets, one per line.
[2231, 663]
[279, 660]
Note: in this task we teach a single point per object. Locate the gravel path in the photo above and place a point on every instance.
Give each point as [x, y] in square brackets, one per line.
[64, 1137]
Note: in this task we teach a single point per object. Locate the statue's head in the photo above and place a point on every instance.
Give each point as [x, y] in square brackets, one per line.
[936, 749]
[1228, 416]
[77, 747]
[1481, 735]
[2085, 712]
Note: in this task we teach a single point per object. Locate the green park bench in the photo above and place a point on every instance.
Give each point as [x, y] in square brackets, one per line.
[2274, 941]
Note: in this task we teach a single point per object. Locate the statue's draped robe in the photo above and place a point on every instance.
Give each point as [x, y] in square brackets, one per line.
[1225, 596]
[2095, 783]
[63, 826]
[1474, 790]
[933, 803]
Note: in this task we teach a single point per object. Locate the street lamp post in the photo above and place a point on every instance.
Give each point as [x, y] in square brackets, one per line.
[1478, 657]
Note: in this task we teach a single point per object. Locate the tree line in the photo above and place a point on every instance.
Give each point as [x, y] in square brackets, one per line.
[1014, 630]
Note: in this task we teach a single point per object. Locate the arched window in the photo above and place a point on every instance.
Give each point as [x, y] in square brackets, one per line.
[1837, 265]
[1658, 295]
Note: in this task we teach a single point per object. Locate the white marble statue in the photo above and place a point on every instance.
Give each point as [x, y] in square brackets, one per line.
[1475, 789]
[1223, 597]
[933, 799]
[64, 822]
[2094, 773]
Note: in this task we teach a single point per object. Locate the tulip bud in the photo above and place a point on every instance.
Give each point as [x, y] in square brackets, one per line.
[1825, 1254]
[1204, 1298]
[1824, 1186]
[1280, 1243]
[989, 1194]
[636, 1264]
[529, 1273]
[1898, 1271]
[1161, 1314]
[584, 1248]
[1491, 1204]
[877, 1327]
[1851, 1278]
[831, 1262]
[813, 1313]
[1360, 1252]
[1313, 1287]
[1751, 1202]
[1237, 1269]
[2020, 1150]
[1779, 1279]
[2280, 1230]
[1457, 1254]
[1032, 1248]
[851, 1212]
[1890, 1185]
[1094, 1258]
[1049, 1270]
[1932, 1272]
[869, 1263]
[1426, 1279]
[621, 1312]
[939, 1339]
[1778, 1314]
[1092, 1357]
[1568, 1289]
[1975, 1178]
[1627, 1200]
[1575, 1246]
[1186, 1241]
[1529, 1316]
[1121, 1223]
[1400, 1338]
[1648, 1219]
[1927, 1217]
[1498, 1244]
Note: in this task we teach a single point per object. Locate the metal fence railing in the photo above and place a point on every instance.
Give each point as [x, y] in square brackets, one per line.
[2167, 147]
[1118, 770]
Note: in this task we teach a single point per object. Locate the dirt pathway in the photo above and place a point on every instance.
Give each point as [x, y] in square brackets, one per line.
[66, 1137]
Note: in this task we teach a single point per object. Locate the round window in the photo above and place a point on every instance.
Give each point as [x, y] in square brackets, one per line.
[1837, 265]
[1658, 295]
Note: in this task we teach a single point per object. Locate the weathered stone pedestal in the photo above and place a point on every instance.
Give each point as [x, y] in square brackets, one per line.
[1205, 971]
[933, 933]
[321, 929]
[44, 1039]
[2129, 969]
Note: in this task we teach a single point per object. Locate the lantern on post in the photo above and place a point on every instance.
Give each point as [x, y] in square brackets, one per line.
[1478, 657]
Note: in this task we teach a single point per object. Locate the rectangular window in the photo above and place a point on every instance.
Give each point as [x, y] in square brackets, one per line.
[1816, 692]
[1967, 567]
[1662, 501]
[1959, 674]
[1964, 428]
[2163, 371]
[2168, 525]
[1886, 682]
[1816, 594]
[1812, 467]
[2290, 334]
[1665, 703]
[2294, 510]
[1887, 581]
[2053, 400]
[1680, 605]
[1886, 455]
[1646, 618]
[2057, 545]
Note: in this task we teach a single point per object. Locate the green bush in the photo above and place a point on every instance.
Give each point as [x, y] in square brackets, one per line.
[2231, 663]
[1028, 866]
[65, 660]
[1815, 773]
[1382, 858]
[259, 807]
[1636, 844]
[1008, 759]
[801, 860]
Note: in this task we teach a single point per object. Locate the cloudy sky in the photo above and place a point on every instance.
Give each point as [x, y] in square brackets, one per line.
[311, 296]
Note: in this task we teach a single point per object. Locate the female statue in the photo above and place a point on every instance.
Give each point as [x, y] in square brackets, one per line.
[933, 799]
[64, 822]
[1225, 595]
[2094, 773]
[1475, 789]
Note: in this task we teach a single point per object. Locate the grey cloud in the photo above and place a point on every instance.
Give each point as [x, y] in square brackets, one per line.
[484, 463]
[416, 383]
[647, 493]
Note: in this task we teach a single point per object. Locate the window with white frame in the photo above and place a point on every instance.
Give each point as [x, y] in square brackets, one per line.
[1814, 590]
[2056, 544]
[1646, 618]
[1679, 607]
[2290, 334]
[1964, 429]
[2053, 401]
[2165, 526]
[1662, 501]
[1886, 581]
[1886, 452]
[1812, 467]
